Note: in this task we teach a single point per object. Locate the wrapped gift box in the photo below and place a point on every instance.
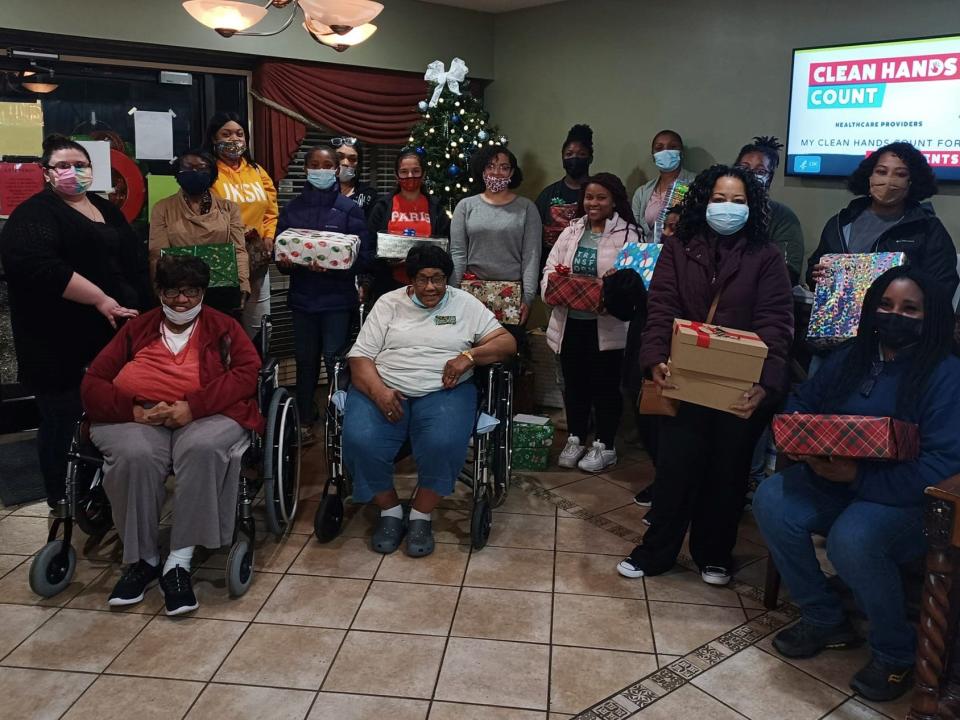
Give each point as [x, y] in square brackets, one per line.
[641, 257]
[710, 391]
[577, 292]
[330, 250]
[220, 257]
[531, 459]
[396, 247]
[717, 351]
[838, 300]
[849, 436]
[531, 431]
[500, 296]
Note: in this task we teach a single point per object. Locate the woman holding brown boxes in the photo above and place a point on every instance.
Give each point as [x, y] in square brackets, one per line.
[719, 268]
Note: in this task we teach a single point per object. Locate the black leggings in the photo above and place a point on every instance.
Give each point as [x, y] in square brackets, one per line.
[591, 379]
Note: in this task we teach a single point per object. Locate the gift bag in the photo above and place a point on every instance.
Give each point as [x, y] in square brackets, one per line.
[330, 250]
[837, 301]
[258, 256]
[641, 258]
[502, 297]
[221, 258]
[561, 216]
[652, 401]
[577, 292]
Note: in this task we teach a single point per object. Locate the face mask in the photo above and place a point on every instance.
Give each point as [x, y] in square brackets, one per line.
[71, 181]
[886, 190]
[576, 167]
[419, 303]
[763, 179]
[410, 184]
[347, 173]
[194, 182]
[322, 179]
[727, 218]
[496, 184]
[182, 318]
[230, 149]
[898, 331]
[667, 160]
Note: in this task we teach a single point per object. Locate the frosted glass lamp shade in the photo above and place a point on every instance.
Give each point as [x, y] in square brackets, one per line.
[229, 16]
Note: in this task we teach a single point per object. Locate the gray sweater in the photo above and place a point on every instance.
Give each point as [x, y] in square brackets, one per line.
[497, 242]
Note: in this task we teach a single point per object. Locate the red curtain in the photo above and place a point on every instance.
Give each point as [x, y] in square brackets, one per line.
[376, 107]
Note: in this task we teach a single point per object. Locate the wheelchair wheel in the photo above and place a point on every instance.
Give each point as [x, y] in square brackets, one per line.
[94, 516]
[50, 571]
[329, 518]
[281, 463]
[480, 522]
[239, 567]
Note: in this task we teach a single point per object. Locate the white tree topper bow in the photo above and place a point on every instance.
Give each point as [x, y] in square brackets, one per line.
[451, 79]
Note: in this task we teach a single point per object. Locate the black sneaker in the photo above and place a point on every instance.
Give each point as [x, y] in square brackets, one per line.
[644, 498]
[882, 682]
[178, 592]
[805, 640]
[135, 581]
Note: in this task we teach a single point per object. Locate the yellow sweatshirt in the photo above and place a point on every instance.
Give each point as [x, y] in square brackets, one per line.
[252, 189]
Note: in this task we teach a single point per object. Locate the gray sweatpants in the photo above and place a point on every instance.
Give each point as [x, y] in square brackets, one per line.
[204, 457]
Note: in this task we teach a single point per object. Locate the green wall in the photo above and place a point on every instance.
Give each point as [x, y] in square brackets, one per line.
[717, 73]
[410, 34]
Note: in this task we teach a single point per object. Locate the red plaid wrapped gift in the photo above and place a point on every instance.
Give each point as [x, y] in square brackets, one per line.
[577, 292]
[849, 436]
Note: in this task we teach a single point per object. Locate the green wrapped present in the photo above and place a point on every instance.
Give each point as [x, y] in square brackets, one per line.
[531, 431]
[221, 258]
[531, 459]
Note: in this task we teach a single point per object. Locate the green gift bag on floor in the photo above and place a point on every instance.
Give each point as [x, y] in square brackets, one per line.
[220, 257]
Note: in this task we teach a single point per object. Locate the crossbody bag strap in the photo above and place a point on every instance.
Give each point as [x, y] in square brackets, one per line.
[713, 307]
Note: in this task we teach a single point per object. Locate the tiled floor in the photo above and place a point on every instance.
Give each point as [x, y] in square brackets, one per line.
[535, 626]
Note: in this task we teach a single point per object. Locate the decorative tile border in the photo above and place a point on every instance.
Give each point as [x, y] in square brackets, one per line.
[657, 685]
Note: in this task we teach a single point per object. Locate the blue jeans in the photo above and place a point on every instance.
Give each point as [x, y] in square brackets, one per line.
[438, 424]
[866, 542]
[313, 334]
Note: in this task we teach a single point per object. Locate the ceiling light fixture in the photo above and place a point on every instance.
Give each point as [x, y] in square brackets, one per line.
[339, 24]
[40, 83]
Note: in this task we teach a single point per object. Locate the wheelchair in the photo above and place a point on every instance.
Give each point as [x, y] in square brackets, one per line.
[270, 463]
[486, 473]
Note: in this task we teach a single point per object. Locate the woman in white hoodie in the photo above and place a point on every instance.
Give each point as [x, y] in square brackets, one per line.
[591, 344]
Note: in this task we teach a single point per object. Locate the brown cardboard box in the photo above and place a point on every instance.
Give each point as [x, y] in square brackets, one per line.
[707, 390]
[717, 351]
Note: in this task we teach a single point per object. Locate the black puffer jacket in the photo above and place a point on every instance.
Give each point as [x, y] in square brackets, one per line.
[625, 297]
[920, 235]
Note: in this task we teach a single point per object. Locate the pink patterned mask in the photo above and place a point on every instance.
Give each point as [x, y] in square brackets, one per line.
[71, 181]
[496, 184]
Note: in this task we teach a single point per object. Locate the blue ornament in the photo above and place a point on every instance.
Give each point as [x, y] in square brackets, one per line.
[455, 118]
[421, 150]
[422, 106]
[453, 170]
[483, 135]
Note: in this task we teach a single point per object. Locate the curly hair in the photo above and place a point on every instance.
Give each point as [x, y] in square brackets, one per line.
[621, 201]
[923, 183]
[693, 208]
[487, 153]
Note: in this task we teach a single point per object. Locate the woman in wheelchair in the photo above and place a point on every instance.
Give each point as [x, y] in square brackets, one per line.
[409, 370]
[174, 390]
[901, 365]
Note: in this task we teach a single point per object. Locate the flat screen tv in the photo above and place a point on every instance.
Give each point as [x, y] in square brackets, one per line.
[847, 101]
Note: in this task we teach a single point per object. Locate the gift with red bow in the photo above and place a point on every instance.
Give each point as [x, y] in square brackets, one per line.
[502, 297]
[576, 292]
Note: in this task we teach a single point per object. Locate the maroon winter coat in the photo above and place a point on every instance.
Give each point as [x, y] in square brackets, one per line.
[756, 296]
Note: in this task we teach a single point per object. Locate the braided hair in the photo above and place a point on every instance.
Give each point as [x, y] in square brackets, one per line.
[693, 207]
[768, 145]
[936, 341]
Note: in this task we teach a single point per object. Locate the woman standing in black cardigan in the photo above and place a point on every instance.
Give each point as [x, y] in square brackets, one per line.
[74, 269]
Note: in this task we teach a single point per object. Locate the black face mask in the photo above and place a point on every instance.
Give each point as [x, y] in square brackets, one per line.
[898, 331]
[194, 182]
[576, 167]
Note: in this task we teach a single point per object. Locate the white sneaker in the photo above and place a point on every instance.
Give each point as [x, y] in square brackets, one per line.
[715, 575]
[598, 458]
[571, 453]
[627, 568]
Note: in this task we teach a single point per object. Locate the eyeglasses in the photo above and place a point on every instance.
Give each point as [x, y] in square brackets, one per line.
[340, 141]
[499, 168]
[438, 281]
[188, 292]
[64, 165]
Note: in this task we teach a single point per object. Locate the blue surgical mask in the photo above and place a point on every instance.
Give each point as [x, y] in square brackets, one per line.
[323, 179]
[667, 160]
[727, 218]
[419, 303]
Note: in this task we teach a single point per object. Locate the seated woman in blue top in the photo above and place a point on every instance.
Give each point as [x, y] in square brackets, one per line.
[322, 301]
[900, 365]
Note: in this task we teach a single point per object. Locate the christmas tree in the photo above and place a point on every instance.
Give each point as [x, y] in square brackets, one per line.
[453, 127]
